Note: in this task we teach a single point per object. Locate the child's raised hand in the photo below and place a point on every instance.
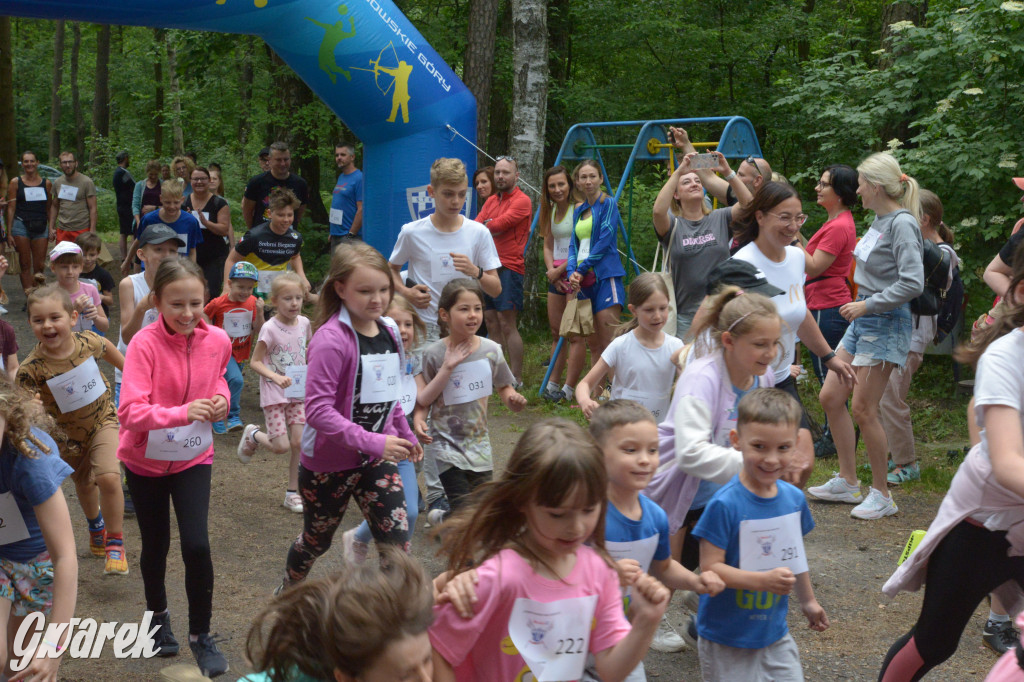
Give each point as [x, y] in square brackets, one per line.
[460, 592]
[516, 401]
[201, 410]
[453, 355]
[817, 619]
[281, 380]
[220, 408]
[82, 302]
[260, 305]
[778, 581]
[710, 583]
[629, 571]
[396, 449]
[650, 599]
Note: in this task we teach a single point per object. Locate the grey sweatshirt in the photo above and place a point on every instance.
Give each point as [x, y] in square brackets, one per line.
[893, 273]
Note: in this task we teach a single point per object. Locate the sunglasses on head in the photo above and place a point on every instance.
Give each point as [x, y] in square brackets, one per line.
[753, 162]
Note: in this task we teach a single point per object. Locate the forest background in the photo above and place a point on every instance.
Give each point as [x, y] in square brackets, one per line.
[938, 83]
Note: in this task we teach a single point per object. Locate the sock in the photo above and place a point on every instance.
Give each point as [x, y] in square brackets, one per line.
[997, 618]
[569, 390]
[290, 491]
[96, 525]
[116, 540]
[552, 387]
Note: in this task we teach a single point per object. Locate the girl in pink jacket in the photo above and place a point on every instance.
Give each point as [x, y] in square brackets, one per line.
[172, 390]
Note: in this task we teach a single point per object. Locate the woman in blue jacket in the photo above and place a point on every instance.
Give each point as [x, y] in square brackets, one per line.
[594, 268]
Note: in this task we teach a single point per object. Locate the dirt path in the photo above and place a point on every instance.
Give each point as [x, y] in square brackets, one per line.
[250, 533]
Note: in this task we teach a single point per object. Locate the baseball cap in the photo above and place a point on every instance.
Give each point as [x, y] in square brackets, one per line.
[158, 233]
[64, 248]
[244, 270]
[1019, 182]
[742, 274]
[264, 152]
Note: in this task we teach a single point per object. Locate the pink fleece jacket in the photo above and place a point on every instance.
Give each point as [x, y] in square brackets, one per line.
[163, 373]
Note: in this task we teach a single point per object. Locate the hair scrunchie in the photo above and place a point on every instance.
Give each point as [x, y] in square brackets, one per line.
[903, 178]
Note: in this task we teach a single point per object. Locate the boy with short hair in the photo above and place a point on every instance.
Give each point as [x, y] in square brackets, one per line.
[240, 314]
[66, 262]
[751, 534]
[91, 246]
[636, 529]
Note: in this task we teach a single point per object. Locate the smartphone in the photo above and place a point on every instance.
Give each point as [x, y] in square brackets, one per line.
[703, 161]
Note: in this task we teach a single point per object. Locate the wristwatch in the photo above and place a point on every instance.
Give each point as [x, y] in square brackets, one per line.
[828, 356]
[480, 275]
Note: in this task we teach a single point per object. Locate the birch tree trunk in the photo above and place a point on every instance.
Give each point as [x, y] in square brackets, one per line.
[177, 136]
[58, 77]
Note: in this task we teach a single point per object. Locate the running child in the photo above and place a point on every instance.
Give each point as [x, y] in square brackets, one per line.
[459, 374]
[280, 359]
[272, 247]
[356, 542]
[240, 314]
[91, 246]
[172, 390]
[38, 564]
[136, 305]
[751, 534]
[545, 598]
[641, 353]
[355, 432]
[62, 370]
[184, 224]
[363, 623]
[66, 262]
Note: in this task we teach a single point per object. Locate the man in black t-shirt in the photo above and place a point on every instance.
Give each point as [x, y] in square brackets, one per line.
[999, 272]
[124, 188]
[257, 193]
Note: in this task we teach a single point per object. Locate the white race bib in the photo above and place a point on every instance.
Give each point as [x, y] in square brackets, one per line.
[640, 550]
[205, 214]
[12, 524]
[336, 216]
[381, 381]
[561, 250]
[407, 395]
[584, 251]
[469, 381]
[238, 325]
[657, 404]
[297, 373]
[553, 638]
[68, 192]
[80, 387]
[180, 443]
[866, 244]
[266, 280]
[35, 194]
[149, 317]
[442, 267]
[773, 543]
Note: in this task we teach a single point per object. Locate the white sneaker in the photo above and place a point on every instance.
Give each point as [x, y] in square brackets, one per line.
[837, 490]
[435, 517]
[352, 548]
[247, 445]
[666, 639]
[292, 502]
[876, 506]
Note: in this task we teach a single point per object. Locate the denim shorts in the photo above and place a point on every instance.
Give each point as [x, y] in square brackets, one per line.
[511, 296]
[36, 231]
[879, 337]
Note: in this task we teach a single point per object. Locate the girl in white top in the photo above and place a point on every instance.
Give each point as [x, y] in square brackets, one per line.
[559, 200]
[641, 354]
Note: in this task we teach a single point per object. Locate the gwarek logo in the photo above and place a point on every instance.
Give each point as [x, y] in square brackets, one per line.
[86, 639]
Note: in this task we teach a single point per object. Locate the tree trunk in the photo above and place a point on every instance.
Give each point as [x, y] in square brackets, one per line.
[803, 45]
[529, 110]
[560, 27]
[76, 103]
[58, 77]
[913, 11]
[292, 94]
[178, 137]
[8, 143]
[478, 71]
[499, 112]
[158, 94]
[101, 98]
[245, 92]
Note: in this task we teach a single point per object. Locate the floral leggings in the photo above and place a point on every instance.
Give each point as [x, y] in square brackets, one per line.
[377, 488]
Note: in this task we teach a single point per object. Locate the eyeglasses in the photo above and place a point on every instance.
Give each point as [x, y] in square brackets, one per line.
[822, 184]
[753, 162]
[786, 218]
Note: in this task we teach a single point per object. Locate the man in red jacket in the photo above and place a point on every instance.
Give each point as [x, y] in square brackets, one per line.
[506, 213]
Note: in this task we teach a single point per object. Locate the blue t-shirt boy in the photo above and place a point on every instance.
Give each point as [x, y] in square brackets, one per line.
[186, 225]
[740, 618]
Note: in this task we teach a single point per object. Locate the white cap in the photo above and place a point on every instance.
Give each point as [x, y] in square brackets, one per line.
[63, 248]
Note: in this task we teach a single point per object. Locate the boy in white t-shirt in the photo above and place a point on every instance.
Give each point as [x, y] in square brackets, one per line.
[443, 246]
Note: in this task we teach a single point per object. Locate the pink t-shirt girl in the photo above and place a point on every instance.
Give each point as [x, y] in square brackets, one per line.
[286, 346]
[84, 325]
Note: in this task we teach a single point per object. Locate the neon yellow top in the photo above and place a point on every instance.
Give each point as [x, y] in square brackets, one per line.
[584, 226]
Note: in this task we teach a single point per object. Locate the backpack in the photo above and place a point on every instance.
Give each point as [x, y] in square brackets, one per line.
[936, 280]
[952, 307]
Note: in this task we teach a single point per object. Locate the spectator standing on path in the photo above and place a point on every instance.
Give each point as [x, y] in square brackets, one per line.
[74, 209]
[256, 201]
[124, 191]
[346, 214]
[506, 215]
[264, 159]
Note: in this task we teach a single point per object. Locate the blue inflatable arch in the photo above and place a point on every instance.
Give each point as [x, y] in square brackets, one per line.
[362, 57]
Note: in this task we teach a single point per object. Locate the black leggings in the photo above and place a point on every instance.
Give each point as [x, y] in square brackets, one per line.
[378, 490]
[460, 483]
[190, 492]
[968, 563]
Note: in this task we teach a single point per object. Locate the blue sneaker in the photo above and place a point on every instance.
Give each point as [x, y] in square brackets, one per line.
[235, 424]
[220, 428]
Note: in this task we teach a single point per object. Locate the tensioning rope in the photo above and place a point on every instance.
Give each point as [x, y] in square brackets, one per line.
[449, 126]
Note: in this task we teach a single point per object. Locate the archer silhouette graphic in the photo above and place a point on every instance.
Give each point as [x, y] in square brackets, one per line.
[399, 73]
[334, 34]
